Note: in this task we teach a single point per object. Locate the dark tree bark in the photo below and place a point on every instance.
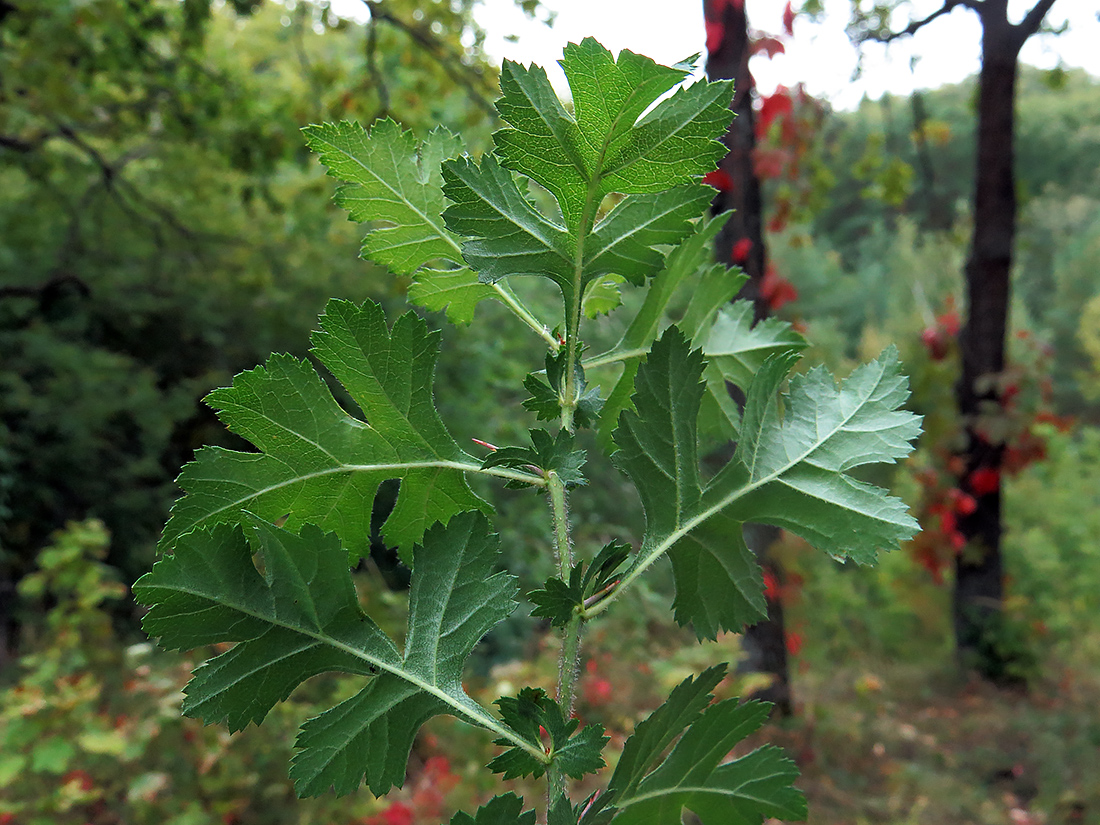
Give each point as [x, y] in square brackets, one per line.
[979, 577]
[978, 598]
[728, 58]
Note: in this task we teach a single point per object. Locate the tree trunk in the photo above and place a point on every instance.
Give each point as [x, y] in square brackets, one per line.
[979, 584]
[728, 58]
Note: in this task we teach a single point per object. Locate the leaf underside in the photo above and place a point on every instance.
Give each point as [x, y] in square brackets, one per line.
[302, 617]
[646, 790]
[394, 183]
[788, 470]
[317, 463]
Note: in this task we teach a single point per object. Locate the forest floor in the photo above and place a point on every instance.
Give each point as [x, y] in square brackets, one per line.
[909, 745]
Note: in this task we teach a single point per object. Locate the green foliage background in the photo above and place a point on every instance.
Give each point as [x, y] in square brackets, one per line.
[213, 243]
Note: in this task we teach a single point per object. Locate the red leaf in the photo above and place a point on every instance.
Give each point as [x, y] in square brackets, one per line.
[771, 586]
[776, 290]
[768, 163]
[597, 691]
[965, 504]
[766, 44]
[984, 480]
[788, 19]
[933, 339]
[794, 643]
[719, 179]
[741, 250]
[715, 33]
[397, 814]
[772, 107]
[949, 323]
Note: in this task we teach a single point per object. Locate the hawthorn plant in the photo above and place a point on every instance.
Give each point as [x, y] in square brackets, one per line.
[259, 550]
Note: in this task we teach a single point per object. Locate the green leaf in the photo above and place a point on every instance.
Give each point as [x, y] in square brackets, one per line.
[682, 263]
[506, 809]
[454, 291]
[299, 619]
[302, 617]
[604, 147]
[561, 812]
[532, 712]
[792, 471]
[318, 464]
[602, 296]
[455, 599]
[624, 242]
[735, 351]
[559, 601]
[738, 349]
[509, 235]
[546, 400]
[653, 735]
[546, 453]
[744, 791]
[395, 183]
[789, 472]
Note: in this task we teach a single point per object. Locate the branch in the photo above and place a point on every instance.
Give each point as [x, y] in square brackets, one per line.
[50, 285]
[376, 76]
[20, 145]
[437, 50]
[114, 182]
[1031, 22]
[916, 25]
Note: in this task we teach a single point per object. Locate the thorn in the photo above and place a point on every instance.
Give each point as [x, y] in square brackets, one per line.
[485, 444]
[591, 802]
[595, 597]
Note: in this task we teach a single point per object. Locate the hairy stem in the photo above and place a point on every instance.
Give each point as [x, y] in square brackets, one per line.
[573, 308]
[569, 658]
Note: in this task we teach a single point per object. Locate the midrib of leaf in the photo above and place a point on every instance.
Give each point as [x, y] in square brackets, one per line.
[472, 711]
[626, 161]
[587, 222]
[666, 544]
[506, 297]
[692, 789]
[499, 472]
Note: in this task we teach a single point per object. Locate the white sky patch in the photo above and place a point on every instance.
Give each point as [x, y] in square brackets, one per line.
[819, 55]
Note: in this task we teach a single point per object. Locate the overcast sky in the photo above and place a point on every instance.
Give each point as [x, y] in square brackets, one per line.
[819, 54]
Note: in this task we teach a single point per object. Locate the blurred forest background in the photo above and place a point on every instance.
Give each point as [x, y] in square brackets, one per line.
[162, 227]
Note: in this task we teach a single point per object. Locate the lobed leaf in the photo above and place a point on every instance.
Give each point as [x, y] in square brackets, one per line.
[317, 464]
[546, 399]
[559, 601]
[624, 242]
[302, 617]
[509, 236]
[683, 263]
[546, 453]
[745, 790]
[789, 471]
[530, 713]
[606, 146]
[506, 809]
[646, 790]
[394, 183]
